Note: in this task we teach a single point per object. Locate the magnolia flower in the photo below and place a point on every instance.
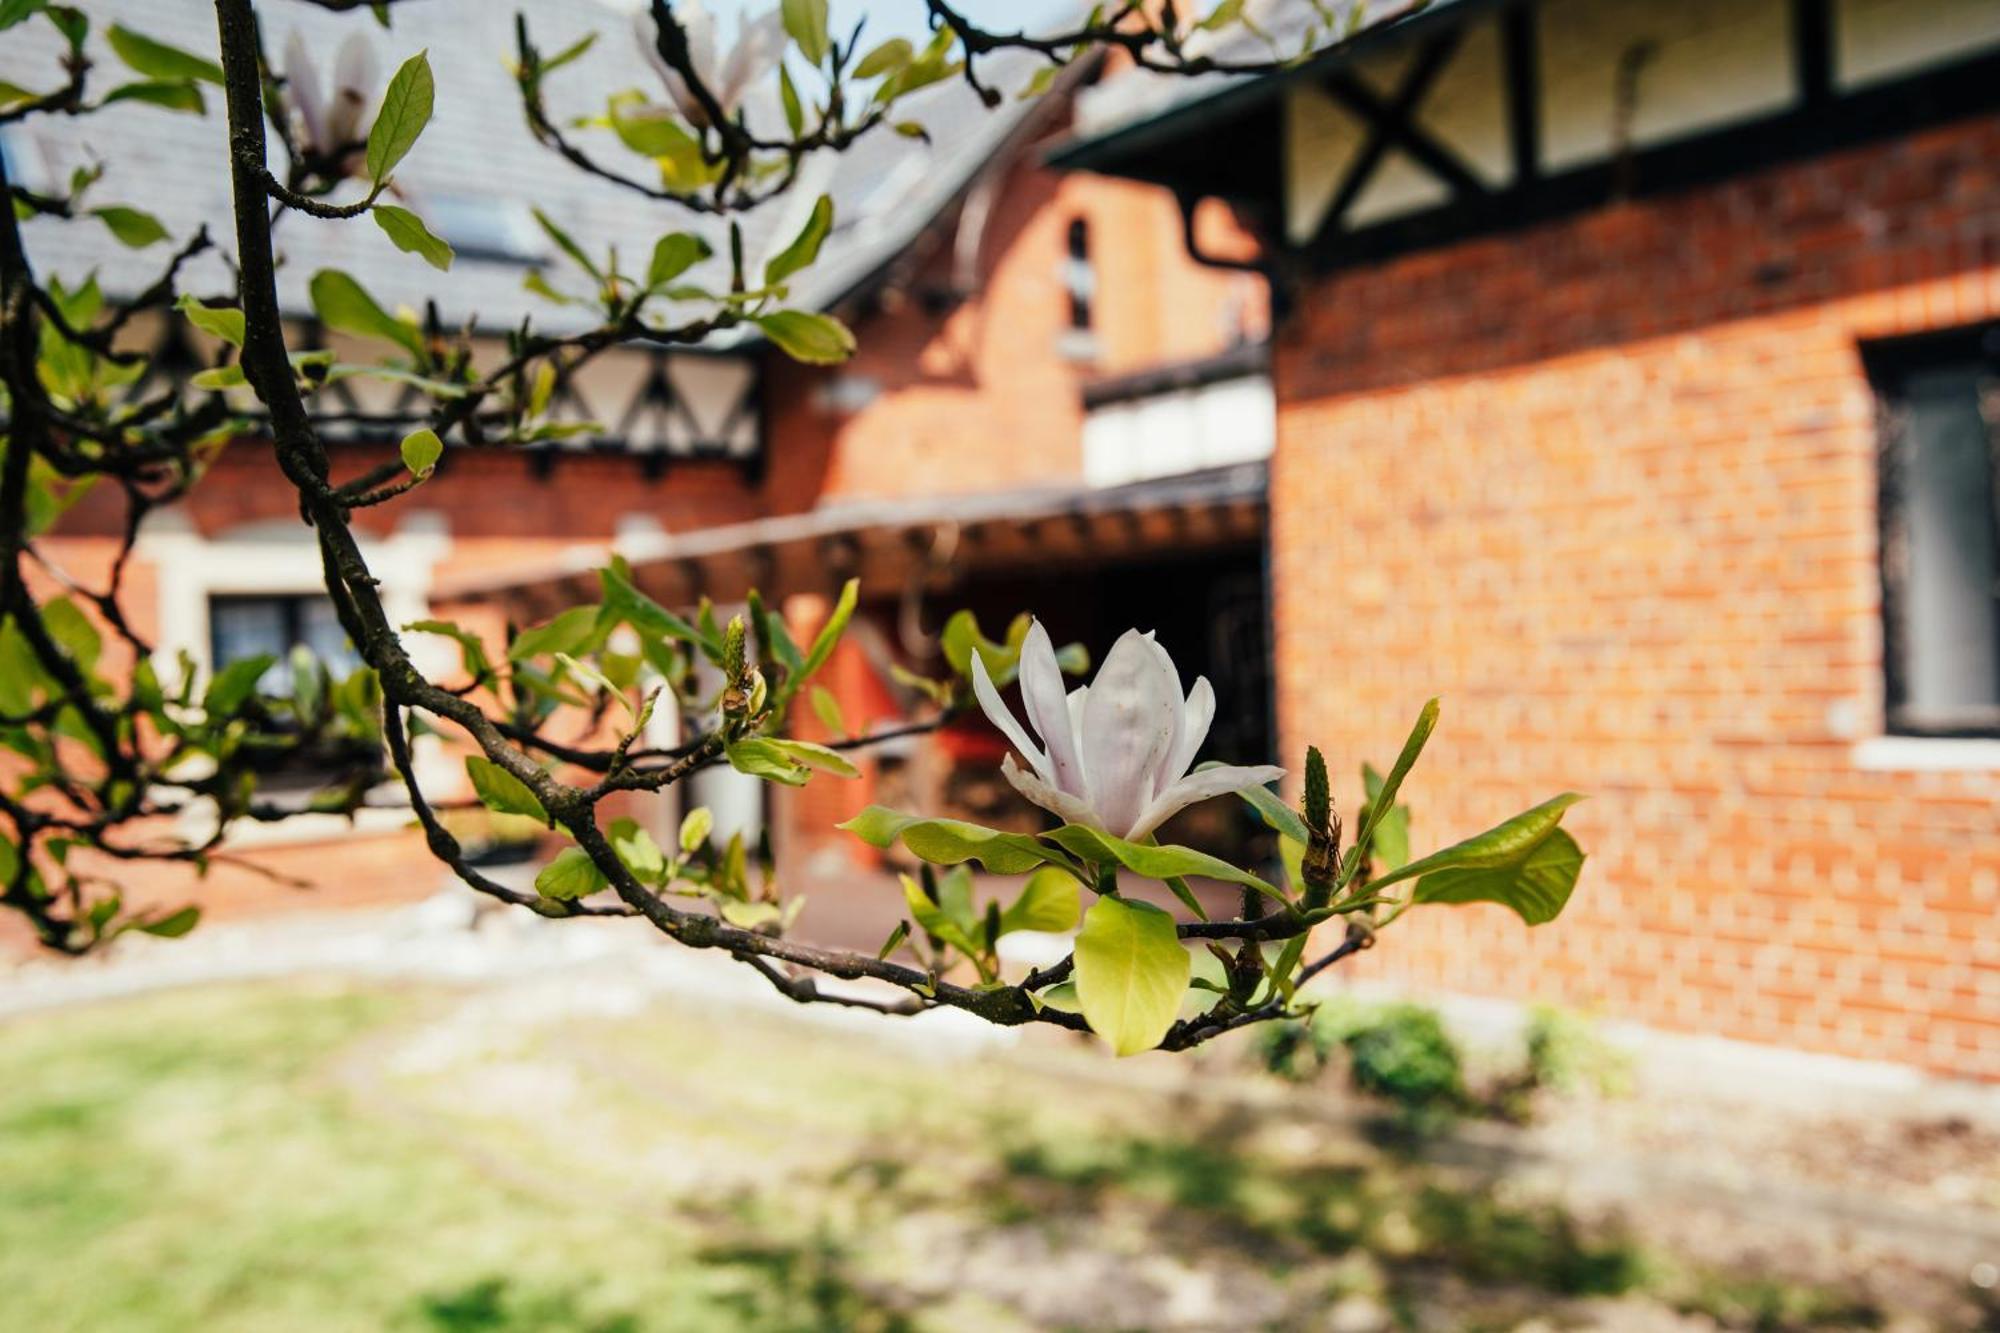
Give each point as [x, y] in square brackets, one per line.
[333, 125]
[760, 44]
[1118, 749]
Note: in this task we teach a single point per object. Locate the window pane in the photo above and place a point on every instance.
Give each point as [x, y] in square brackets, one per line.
[319, 629]
[1951, 613]
[240, 627]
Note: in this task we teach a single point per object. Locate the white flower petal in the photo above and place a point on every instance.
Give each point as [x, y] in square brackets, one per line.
[1161, 776]
[302, 90]
[1128, 725]
[1048, 710]
[1217, 781]
[353, 92]
[760, 43]
[1196, 716]
[1061, 804]
[1001, 716]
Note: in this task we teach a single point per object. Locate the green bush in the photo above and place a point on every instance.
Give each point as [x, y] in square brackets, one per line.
[1398, 1052]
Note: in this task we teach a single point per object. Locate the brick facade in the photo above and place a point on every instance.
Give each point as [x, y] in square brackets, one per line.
[1608, 487]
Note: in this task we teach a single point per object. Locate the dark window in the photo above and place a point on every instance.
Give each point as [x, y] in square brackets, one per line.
[1940, 516]
[240, 627]
[1079, 278]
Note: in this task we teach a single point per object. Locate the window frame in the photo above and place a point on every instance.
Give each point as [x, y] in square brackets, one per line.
[1890, 365]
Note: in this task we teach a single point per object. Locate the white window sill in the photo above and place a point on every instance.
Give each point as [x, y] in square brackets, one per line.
[1927, 754]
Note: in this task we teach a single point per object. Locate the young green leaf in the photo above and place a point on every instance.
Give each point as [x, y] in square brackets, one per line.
[224, 322]
[567, 244]
[1050, 901]
[1161, 863]
[886, 58]
[948, 842]
[674, 254]
[695, 828]
[406, 109]
[829, 634]
[421, 451]
[174, 924]
[1380, 803]
[1537, 886]
[171, 94]
[571, 875]
[827, 709]
[762, 758]
[804, 247]
[788, 97]
[817, 756]
[344, 306]
[1131, 973]
[219, 377]
[569, 632]
[132, 226]
[805, 21]
[502, 792]
[819, 340]
[409, 234]
[157, 60]
[636, 848]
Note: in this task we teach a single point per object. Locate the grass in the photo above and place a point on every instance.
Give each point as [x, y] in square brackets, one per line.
[321, 1157]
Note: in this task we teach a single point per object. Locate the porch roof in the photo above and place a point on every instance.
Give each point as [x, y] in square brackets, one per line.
[890, 544]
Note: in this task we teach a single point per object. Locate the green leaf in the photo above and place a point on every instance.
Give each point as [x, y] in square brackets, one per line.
[788, 97]
[157, 60]
[568, 53]
[224, 322]
[804, 247]
[1131, 973]
[421, 450]
[571, 875]
[643, 613]
[565, 633]
[887, 58]
[174, 95]
[762, 758]
[411, 236]
[502, 792]
[818, 340]
[895, 940]
[406, 109]
[1161, 863]
[818, 756]
[471, 648]
[805, 20]
[829, 634]
[12, 12]
[72, 630]
[1379, 804]
[636, 848]
[173, 925]
[1510, 871]
[132, 226]
[1281, 818]
[937, 921]
[1392, 832]
[949, 842]
[674, 254]
[695, 828]
[344, 306]
[1049, 901]
[234, 684]
[567, 244]
[827, 709]
[219, 377]
[1537, 886]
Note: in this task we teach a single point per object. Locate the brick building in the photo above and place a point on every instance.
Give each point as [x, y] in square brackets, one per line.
[1636, 393]
[1014, 324]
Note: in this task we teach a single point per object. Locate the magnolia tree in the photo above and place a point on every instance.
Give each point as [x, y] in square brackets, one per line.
[100, 755]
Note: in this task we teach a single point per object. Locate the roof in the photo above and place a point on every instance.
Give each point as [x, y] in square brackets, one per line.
[477, 155]
[885, 541]
[1124, 122]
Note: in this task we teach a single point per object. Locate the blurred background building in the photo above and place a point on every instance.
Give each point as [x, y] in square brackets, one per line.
[1620, 371]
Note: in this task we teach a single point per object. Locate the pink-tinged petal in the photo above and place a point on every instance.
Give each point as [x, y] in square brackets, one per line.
[1061, 804]
[1217, 781]
[648, 34]
[1160, 777]
[353, 92]
[1128, 725]
[1076, 698]
[1196, 716]
[1001, 716]
[302, 90]
[1048, 710]
[760, 44]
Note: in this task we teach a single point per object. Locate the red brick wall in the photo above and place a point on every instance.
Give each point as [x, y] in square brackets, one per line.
[981, 395]
[1608, 487]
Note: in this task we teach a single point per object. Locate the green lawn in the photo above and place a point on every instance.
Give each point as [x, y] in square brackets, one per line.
[309, 1157]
